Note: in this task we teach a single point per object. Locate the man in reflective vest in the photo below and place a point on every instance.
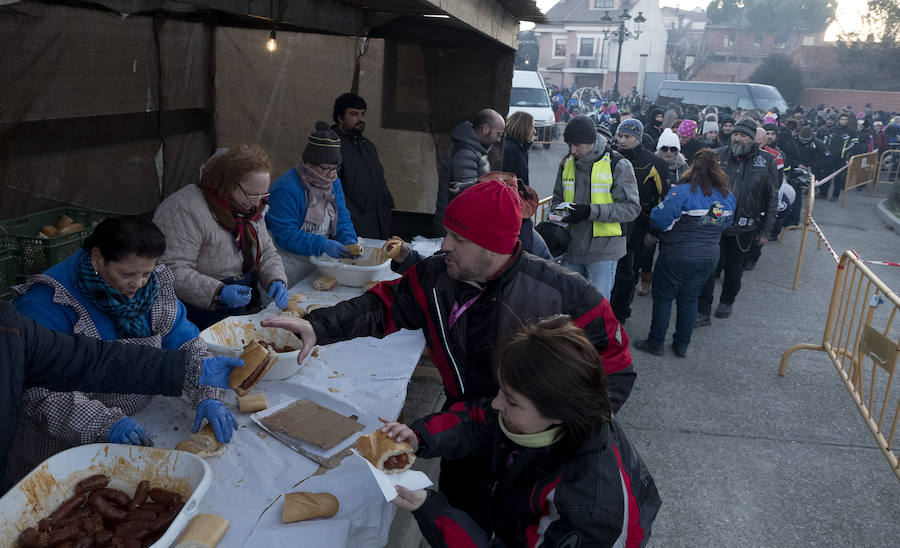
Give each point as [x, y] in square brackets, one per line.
[601, 187]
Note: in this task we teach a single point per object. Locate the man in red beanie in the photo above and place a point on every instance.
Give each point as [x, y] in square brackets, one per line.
[480, 290]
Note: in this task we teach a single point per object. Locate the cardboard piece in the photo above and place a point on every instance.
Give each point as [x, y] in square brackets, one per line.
[308, 421]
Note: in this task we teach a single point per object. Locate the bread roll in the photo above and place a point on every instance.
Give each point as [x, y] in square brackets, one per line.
[252, 403]
[312, 307]
[392, 247]
[63, 222]
[70, 228]
[293, 306]
[50, 231]
[302, 506]
[203, 444]
[203, 530]
[378, 448]
[355, 250]
[258, 359]
[324, 283]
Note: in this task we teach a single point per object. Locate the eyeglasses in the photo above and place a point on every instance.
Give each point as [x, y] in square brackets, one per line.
[668, 149]
[253, 196]
[326, 168]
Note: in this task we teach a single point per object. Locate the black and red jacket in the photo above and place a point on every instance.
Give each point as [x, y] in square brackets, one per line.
[598, 495]
[527, 289]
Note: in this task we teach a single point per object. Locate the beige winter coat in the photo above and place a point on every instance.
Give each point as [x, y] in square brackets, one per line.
[201, 252]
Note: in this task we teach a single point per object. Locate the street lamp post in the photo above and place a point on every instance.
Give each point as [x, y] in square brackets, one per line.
[621, 34]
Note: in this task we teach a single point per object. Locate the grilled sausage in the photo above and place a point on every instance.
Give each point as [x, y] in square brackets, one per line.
[140, 495]
[32, 538]
[106, 509]
[164, 496]
[60, 536]
[97, 481]
[66, 508]
[114, 495]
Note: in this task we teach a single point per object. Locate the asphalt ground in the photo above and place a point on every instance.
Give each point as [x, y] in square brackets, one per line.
[741, 456]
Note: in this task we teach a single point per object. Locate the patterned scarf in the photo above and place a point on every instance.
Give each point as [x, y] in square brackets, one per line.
[239, 223]
[319, 195]
[128, 313]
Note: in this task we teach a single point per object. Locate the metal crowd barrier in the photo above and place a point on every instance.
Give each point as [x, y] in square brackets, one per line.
[542, 213]
[548, 134]
[862, 169]
[888, 167]
[862, 343]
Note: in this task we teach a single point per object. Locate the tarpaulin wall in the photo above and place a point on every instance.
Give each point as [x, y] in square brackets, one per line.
[414, 93]
[99, 110]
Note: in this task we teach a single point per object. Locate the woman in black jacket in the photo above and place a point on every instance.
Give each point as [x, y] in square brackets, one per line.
[519, 136]
[561, 466]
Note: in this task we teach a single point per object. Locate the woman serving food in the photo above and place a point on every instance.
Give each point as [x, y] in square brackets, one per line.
[112, 289]
[218, 247]
[562, 468]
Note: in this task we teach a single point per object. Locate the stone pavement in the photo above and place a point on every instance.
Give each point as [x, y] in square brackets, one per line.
[741, 456]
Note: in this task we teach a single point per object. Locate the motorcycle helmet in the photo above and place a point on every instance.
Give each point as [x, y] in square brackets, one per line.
[556, 237]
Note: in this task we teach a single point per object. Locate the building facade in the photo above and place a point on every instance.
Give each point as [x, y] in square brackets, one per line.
[578, 48]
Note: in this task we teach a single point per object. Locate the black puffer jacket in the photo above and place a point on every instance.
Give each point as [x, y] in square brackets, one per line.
[526, 290]
[754, 181]
[602, 495]
[33, 356]
[365, 188]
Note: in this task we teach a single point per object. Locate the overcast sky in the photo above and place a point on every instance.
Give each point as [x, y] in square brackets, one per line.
[849, 13]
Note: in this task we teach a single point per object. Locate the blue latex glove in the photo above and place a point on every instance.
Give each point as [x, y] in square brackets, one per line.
[215, 371]
[235, 295]
[218, 416]
[126, 430]
[279, 294]
[336, 249]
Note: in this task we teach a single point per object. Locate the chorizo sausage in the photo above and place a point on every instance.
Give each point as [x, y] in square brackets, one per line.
[62, 535]
[103, 537]
[140, 495]
[96, 481]
[114, 495]
[165, 519]
[142, 515]
[44, 525]
[32, 538]
[106, 509]
[133, 530]
[164, 496]
[84, 542]
[154, 507]
[66, 508]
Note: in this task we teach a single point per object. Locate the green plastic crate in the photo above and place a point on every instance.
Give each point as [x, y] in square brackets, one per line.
[7, 273]
[33, 255]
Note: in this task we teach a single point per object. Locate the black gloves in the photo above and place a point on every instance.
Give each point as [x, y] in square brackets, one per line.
[580, 212]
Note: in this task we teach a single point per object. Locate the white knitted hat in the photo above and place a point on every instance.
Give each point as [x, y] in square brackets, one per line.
[668, 139]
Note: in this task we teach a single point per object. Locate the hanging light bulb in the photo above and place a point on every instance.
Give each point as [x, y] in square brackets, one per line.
[271, 44]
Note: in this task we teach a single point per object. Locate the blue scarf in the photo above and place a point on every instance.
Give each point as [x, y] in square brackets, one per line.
[128, 313]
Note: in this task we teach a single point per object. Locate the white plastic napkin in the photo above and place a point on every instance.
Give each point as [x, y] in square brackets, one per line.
[411, 479]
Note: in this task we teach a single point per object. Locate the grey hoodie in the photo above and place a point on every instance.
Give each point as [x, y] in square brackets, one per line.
[626, 206]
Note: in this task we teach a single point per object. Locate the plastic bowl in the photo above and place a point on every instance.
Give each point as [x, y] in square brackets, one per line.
[229, 336]
[51, 483]
[367, 267]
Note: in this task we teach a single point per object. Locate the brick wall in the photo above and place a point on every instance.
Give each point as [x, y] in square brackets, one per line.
[881, 100]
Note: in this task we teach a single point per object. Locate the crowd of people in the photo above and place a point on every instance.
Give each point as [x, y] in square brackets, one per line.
[524, 323]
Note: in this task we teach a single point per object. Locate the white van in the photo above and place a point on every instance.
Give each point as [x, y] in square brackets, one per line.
[530, 95]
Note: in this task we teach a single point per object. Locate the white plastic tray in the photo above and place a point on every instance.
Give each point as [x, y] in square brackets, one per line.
[354, 275]
[228, 337]
[51, 483]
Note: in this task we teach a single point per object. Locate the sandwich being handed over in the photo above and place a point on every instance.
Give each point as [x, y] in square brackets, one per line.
[388, 455]
[258, 359]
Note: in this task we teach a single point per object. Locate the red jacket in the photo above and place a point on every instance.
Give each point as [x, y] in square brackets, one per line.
[526, 290]
[597, 495]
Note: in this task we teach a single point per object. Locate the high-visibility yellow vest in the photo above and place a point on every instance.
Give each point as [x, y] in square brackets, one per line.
[601, 183]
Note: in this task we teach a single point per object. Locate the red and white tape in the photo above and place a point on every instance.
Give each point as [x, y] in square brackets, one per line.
[830, 177]
[818, 230]
[883, 263]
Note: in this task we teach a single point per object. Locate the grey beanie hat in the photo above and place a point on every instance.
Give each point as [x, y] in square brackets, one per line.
[746, 126]
[580, 130]
[323, 146]
[806, 134]
[631, 126]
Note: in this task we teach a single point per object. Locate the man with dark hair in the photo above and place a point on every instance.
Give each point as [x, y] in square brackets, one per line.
[468, 158]
[726, 126]
[753, 177]
[362, 177]
[840, 145]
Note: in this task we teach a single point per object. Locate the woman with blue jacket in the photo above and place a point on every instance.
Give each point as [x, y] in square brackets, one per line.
[112, 289]
[691, 220]
[307, 213]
